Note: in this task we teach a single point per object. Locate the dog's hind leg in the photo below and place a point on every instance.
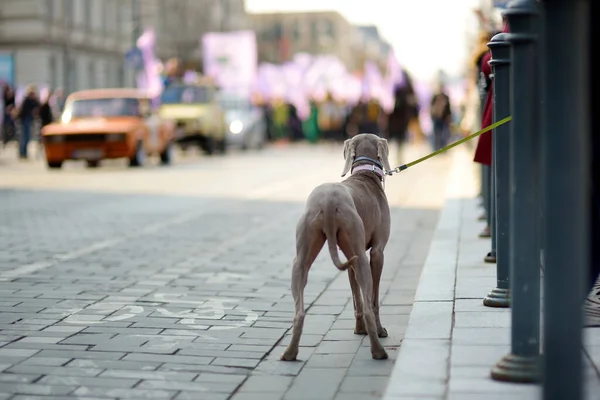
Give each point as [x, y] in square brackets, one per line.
[309, 242]
[345, 244]
[359, 327]
[365, 280]
[376, 261]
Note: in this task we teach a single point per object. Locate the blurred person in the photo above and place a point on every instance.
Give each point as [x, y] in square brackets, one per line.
[8, 107]
[294, 123]
[353, 119]
[280, 120]
[441, 117]
[46, 113]
[310, 126]
[28, 110]
[483, 151]
[172, 72]
[371, 113]
[399, 118]
[330, 118]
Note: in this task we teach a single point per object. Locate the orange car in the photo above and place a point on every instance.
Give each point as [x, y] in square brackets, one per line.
[108, 123]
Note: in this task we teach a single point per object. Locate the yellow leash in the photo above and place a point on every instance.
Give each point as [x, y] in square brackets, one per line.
[461, 141]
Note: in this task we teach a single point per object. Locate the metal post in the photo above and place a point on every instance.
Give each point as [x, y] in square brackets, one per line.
[500, 62]
[566, 123]
[487, 198]
[523, 362]
[491, 256]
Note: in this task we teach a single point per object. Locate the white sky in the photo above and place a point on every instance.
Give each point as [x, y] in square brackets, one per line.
[427, 35]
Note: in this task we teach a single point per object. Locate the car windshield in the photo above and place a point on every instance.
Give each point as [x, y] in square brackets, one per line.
[110, 107]
[185, 94]
[234, 103]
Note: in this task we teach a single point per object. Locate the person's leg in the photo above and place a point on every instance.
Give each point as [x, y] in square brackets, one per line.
[25, 136]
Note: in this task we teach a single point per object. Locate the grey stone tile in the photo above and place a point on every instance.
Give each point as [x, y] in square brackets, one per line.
[266, 384]
[315, 383]
[249, 348]
[46, 361]
[305, 340]
[125, 393]
[477, 355]
[205, 396]
[200, 387]
[330, 360]
[342, 334]
[149, 375]
[168, 358]
[110, 382]
[481, 336]
[336, 347]
[115, 364]
[49, 370]
[257, 396]
[18, 378]
[430, 320]
[37, 389]
[370, 385]
[17, 353]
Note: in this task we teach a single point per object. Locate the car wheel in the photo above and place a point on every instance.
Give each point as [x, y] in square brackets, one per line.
[93, 163]
[139, 157]
[166, 157]
[55, 164]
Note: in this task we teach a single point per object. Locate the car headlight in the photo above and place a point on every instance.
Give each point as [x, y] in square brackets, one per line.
[115, 137]
[66, 117]
[236, 127]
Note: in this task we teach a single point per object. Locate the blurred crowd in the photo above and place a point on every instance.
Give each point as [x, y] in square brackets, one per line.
[23, 118]
[330, 119]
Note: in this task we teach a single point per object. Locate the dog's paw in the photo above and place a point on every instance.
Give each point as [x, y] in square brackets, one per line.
[382, 332]
[289, 356]
[359, 328]
[379, 354]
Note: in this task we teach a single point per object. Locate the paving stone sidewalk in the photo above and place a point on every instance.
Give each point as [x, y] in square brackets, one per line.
[115, 296]
[451, 340]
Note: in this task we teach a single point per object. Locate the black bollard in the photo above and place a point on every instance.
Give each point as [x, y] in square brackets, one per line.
[500, 62]
[491, 256]
[566, 146]
[523, 362]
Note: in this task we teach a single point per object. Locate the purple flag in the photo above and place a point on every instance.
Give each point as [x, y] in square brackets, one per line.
[149, 78]
[231, 59]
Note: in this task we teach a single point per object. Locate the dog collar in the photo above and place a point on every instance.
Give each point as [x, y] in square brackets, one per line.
[369, 159]
[366, 167]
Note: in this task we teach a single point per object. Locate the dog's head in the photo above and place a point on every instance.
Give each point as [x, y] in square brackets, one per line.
[366, 145]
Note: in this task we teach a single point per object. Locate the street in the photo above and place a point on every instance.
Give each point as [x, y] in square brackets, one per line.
[173, 282]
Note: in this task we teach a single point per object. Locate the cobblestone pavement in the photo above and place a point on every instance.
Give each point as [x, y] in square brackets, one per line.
[173, 283]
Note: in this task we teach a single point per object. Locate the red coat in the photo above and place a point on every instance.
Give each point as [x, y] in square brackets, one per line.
[483, 152]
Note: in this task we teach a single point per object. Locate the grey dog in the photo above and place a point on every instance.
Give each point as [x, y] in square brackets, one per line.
[354, 215]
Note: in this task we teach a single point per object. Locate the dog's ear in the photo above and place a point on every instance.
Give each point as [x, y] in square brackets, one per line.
[383, 153]
[349, 155]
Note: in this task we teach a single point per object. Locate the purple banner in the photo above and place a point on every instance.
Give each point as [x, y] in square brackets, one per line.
[231, 59]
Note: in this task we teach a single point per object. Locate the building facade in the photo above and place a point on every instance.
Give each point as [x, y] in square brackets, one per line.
[369, 45]
[281, 35]
[180, 24]
[72, 44]
[81, 44]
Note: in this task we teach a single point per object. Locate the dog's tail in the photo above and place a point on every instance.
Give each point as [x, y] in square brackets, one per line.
[330, 229]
